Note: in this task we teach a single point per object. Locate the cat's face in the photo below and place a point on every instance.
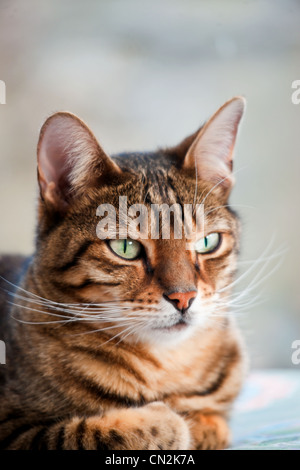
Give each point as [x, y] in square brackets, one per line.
[158, 289]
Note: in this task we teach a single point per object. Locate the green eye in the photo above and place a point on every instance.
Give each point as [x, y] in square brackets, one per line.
[208, 244]
[127, 249]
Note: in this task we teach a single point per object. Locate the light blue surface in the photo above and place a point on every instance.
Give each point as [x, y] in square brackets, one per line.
[267, 414]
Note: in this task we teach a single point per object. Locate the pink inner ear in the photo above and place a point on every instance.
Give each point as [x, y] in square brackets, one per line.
[52, 157]
[69, 159]
[212, 150]
[66, 151]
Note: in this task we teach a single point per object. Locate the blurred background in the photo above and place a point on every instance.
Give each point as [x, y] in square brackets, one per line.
[143, 74]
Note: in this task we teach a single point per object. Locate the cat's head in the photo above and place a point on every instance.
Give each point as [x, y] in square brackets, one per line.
[150, 289]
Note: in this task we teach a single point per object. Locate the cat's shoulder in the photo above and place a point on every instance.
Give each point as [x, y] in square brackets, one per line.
[11, 269]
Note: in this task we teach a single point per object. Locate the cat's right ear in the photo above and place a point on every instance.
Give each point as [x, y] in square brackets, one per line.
[70, 161]
[208, 153]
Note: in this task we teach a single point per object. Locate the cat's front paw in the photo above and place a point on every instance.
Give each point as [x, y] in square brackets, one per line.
[151, 427]
[208, 431]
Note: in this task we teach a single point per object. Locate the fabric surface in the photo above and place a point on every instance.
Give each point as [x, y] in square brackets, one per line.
[267, 414]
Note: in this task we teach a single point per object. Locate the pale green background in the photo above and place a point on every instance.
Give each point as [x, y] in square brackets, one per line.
[144, 74]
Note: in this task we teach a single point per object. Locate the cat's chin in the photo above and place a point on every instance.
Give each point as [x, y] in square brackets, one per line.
[166, 335]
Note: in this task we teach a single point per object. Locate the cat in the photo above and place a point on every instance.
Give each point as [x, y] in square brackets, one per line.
[123, 343]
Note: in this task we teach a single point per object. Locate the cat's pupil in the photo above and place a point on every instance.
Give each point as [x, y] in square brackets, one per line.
[125, 245]
[205, 242]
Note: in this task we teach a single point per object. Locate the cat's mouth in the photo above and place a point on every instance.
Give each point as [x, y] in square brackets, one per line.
[181, 324]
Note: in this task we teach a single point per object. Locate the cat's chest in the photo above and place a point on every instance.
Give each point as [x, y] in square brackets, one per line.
[123, 375]
[180, 369]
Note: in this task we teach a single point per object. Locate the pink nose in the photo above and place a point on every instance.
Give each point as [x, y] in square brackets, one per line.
[182, 300]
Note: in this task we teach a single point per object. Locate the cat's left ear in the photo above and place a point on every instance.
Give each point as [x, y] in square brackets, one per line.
[70, 161]
[210, 150]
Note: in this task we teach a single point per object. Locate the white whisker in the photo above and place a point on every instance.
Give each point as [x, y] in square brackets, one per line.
[220, 182]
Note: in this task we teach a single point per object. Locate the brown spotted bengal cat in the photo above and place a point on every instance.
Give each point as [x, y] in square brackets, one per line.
[122, 343]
